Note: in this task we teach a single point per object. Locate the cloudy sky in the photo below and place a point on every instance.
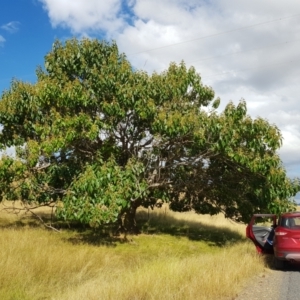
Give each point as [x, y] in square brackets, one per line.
[242, 48]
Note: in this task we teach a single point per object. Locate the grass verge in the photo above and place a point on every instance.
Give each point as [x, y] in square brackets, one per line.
[177, 256]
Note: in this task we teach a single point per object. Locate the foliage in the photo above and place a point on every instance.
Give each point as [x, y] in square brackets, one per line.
[100, 139]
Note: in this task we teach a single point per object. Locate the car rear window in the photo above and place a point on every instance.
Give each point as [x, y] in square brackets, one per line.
[291, 222]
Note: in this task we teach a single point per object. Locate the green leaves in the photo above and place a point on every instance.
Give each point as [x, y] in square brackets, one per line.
[216, 103]
[100, 138]
[102, 191]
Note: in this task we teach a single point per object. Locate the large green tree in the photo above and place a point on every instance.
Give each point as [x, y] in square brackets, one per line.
[99, 139]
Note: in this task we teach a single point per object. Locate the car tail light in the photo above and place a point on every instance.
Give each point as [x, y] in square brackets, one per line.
[280, 233]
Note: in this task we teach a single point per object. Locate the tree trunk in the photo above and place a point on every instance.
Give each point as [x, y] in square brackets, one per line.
[126, 220]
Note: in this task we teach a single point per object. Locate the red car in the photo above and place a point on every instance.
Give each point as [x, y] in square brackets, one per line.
[281, 237]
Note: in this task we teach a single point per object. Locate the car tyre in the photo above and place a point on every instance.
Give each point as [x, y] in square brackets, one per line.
[279, 263]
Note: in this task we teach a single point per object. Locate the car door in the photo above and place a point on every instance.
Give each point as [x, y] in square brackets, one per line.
[259, 229]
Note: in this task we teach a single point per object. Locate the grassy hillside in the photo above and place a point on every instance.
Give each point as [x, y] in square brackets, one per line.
[177, 256]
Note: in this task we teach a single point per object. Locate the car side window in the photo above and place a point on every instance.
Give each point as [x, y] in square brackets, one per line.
[263, 222]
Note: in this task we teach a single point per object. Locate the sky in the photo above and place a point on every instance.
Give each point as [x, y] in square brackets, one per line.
[243, 49]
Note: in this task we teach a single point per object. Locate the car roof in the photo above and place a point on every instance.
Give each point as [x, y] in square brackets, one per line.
[291, 214]
[265, 215]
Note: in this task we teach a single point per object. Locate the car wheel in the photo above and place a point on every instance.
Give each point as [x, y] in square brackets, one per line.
[279, 264]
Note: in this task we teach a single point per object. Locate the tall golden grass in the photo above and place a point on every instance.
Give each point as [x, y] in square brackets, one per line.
[177, 256]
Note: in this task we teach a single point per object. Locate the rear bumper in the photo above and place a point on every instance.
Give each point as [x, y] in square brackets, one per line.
[288, 255]
[293, 257]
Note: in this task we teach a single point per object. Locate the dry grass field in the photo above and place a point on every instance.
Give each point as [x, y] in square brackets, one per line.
[176, 256]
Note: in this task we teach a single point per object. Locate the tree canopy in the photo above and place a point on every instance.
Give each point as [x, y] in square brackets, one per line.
[99, 138]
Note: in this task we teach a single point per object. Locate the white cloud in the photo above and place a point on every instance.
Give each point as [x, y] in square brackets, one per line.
[11, 27]
[290, 153]
[83, 16]
[2, 40]
[243, 49]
